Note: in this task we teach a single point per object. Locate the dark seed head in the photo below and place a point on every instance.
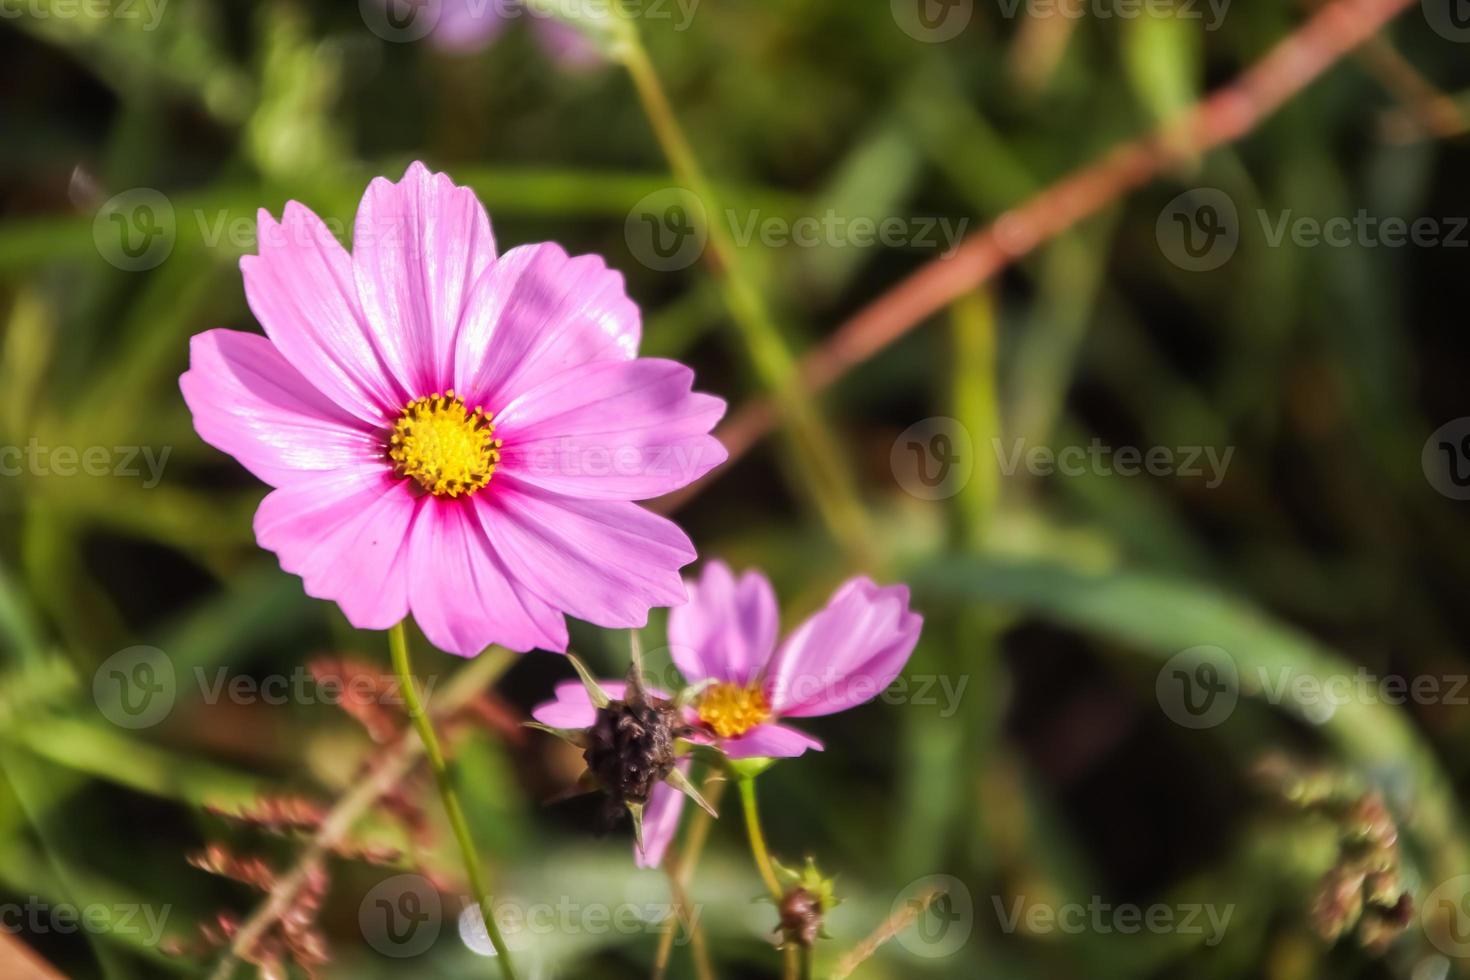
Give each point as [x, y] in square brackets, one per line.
[630, 746]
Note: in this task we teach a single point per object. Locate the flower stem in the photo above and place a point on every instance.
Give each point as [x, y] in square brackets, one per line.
[763, 862]
[758, 838]
[398, 645]
[815, 448]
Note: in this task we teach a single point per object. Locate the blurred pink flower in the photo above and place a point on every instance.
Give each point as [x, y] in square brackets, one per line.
[451, 432]
[471, 25]
[725, 639]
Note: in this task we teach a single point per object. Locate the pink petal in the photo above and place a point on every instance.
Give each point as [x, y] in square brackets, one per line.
[417, 248]
[605, 561]
[462, 595]
[660, 822]
[612, 430]
[536, 313]
[345, 532]
[770, 741]
[572, 708]
[467, 25]
[846, 654]
[249, 402]
[567, 44]
[727, 630]
[301, 288]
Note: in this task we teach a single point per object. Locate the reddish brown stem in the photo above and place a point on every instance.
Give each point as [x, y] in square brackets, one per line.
[1222, 118]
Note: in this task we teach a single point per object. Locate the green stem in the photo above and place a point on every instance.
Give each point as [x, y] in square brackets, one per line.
[815, 455]
[398, 644]
[758, 838]
[806, 963]
[763, 864]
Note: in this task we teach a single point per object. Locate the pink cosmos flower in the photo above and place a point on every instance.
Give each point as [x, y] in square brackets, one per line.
[451, 432]
[725, 639]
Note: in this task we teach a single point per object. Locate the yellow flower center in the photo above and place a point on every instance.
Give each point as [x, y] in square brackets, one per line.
[445, 448]
[731, 710]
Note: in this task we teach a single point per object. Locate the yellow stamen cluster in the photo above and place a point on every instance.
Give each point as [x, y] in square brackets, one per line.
[447, 449]
[731, 710]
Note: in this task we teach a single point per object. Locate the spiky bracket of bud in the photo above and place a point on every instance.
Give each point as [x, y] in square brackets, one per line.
[632, 745]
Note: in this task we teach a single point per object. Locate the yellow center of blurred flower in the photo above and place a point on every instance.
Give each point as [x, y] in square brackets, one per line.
[731, 710]
[445, 448]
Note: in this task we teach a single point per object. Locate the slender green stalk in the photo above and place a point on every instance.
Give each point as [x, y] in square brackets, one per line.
[814, 447]
[758, 839]
[763, 863]
[806, 963]
[398, 644]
